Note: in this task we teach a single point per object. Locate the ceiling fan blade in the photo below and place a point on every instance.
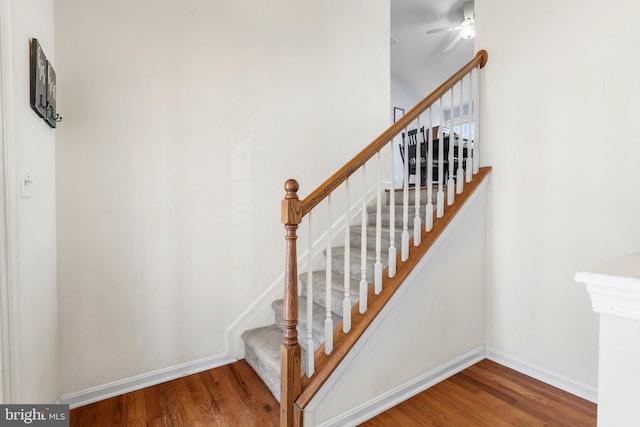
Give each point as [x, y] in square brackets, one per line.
[467, 6]
[453, 43]
[439, 30]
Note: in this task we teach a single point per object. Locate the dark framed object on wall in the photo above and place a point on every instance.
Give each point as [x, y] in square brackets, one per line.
[38, 76]
[43, 92]
[52, 116]
[397, 114]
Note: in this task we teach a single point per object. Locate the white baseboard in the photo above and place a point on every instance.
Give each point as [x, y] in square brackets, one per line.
[552, 378]
[405, 391]
[138, 382]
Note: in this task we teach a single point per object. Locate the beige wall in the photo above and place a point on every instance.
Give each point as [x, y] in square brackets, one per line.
[30, 143]
[560, 128]
[182, 122]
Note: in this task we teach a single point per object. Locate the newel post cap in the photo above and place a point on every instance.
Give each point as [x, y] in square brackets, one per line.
[291, 211]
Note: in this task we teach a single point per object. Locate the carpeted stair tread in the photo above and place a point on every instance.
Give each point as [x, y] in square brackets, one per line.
[355, 237]
[337, 262]
[318, 279]
[385, 214]
[319, 315]
[262, 352]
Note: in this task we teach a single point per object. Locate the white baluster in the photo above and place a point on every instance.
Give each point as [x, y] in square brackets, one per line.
[328, 323]
[378, 265]
[363, 242]
[346, 303]
[469, 159]
[428, 214]
[392, 217]
[440, 196]
[417, 222]
[450, 182]
[309, 343]
[460, 170]
[404, 254]
[476, 145]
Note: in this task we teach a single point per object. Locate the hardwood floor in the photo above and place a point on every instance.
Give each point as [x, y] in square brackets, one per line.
[232, 396]
[486, 394]
[489, 394]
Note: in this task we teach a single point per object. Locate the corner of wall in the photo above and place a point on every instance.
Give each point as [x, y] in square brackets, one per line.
[9, 261]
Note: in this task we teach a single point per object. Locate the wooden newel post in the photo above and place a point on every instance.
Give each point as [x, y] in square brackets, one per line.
[290, 359]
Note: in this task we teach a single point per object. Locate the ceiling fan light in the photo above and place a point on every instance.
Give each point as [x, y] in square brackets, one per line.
[467, 31]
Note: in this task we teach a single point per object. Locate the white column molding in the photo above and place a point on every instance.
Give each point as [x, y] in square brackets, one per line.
[614, 287]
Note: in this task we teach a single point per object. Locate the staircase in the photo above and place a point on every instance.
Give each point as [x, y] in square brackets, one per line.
[278, 353]
[262, 345]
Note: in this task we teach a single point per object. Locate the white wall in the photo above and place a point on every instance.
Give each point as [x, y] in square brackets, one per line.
[560, 128]
[182, 122]
[403, 96]
[436, 318]
[31, 143]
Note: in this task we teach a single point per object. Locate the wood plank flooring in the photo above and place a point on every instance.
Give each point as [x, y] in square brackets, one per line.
[491, 395]
[486, 394]
[231, 396]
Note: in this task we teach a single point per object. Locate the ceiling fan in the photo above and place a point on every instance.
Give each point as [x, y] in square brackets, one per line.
[466, 29]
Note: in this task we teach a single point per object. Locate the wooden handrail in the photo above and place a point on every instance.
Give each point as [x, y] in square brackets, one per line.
[317, 195]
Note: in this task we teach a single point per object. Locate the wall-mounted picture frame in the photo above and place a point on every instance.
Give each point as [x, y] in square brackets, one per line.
[43, 90]
[397, 113]
[52, 115]
[38, 79]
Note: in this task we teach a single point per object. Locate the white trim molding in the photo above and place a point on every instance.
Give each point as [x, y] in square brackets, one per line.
[148, 379]
[614, 287]
[9, 263]
[582, 390]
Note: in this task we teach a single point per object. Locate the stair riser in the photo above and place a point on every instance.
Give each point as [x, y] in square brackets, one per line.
[398, 219]
[385, 214]
[337, 292]
[337, 264]
[262, 353]
[318, 330]
[268, 368]
[399, 198]
[319, 315]
[355, 237]
[269, 376]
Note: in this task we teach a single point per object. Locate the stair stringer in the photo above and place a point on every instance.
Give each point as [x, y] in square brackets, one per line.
[431, 328]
